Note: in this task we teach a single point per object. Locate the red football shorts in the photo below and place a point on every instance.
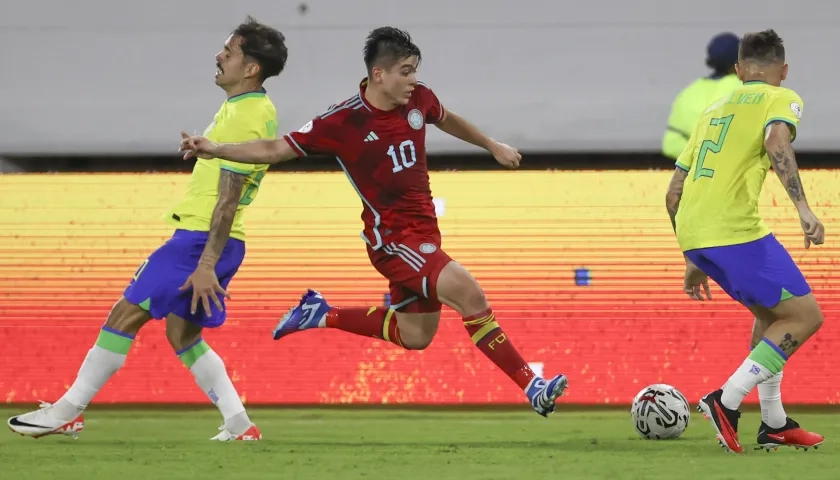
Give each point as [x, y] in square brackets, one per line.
[412, 265]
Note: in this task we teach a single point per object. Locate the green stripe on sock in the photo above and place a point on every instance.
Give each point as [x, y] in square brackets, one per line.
[767, 356]
[113, 342]
[189, 357]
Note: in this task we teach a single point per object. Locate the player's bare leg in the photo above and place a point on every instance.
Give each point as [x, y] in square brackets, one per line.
[458, 289]
[791, 323]
[776, 429]
[210, 374]
[102, 361]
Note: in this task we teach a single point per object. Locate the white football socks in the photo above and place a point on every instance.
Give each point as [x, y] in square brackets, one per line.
[770, 396]
[209, 371]
[101, 363]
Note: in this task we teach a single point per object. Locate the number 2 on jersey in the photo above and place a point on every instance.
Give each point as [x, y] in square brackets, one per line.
[710, 146]
[405, 161]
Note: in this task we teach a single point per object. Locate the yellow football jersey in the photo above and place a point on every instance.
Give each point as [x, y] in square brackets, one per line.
[727, 164]
[241, 118]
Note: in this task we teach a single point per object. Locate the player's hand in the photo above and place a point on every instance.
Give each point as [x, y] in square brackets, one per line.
[696, 282]
[813, 228]
[205, 286]
[506, 155]
[197, 146]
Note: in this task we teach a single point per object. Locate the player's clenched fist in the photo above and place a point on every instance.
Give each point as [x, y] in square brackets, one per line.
[196, 147]
[506, 155]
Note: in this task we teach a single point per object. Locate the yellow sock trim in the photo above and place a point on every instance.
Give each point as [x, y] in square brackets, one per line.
[386, 324]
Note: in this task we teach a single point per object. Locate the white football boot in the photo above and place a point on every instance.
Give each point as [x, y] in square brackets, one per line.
[43, 422]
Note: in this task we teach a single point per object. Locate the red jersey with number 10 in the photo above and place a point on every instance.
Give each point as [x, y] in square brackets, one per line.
[383, 154]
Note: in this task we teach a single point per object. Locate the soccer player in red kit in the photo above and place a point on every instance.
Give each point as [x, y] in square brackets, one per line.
[378, 137]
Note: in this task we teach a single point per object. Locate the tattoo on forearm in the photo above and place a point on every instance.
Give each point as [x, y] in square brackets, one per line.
[788, 345]
[673, 207]
[230, 188]
[784, 163]
[672, 199]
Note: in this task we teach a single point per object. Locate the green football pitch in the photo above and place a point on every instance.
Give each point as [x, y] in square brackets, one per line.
[342, 444]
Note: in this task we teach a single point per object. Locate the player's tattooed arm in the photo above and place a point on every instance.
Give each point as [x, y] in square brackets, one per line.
[230, 189]
[778, 145]
[256, 152]
[675, 190]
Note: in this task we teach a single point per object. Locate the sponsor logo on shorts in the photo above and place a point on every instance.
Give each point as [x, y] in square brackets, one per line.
[306, 128]
[415, 119]
[428, 248]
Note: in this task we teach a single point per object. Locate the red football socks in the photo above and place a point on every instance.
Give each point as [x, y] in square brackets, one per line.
[378, 322]
[489, 337]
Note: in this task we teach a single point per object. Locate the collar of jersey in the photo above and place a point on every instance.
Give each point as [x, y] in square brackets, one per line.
[362, 88]
[256, 93]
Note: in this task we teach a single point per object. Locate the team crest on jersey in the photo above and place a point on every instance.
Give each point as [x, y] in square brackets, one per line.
[428, 248]
[415, 119]
[796, 109]
[306, 128]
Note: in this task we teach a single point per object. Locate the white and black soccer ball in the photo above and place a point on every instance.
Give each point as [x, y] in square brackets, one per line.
[660, 412]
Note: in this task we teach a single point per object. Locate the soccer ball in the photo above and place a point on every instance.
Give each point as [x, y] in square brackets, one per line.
[660, 412]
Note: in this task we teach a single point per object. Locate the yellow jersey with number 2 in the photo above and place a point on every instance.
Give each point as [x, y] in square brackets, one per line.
[727, 164]
[241, 118]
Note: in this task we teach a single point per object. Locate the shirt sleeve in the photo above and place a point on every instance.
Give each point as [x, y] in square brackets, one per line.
[322, 135]
[686, 159]
[430, 104]
[787, 108]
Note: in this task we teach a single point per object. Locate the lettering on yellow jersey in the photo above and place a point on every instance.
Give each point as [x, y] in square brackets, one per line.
[746, 98]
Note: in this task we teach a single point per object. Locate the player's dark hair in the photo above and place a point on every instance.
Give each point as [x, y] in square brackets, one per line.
[263, 44]
[386, 46]
[762, 47]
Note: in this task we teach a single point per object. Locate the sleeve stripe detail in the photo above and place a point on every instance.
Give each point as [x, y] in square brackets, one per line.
[294, 145]
[784, 120]
[780, 119]
[353, 102]
[682, 167]
[679, 132]
[236, 170]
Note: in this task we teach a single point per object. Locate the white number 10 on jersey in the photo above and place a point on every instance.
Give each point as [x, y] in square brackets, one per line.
[406, 160]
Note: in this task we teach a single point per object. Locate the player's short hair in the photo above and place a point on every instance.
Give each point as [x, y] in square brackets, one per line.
[263, 44]
[762, 47]
[386, 46]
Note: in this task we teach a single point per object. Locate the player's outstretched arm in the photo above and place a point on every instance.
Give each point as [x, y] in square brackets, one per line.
[460, 128]
[258, 152]
[777, 142]
[675, 190]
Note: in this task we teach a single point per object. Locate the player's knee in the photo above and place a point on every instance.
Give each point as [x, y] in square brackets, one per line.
[459, 290]
[416, 340]
[126, 317]
[817, 319]
[180, 333]
[475, 300]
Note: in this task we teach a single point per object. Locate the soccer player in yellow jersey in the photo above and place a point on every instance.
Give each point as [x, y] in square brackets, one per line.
[184, 280]
[713, 204]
